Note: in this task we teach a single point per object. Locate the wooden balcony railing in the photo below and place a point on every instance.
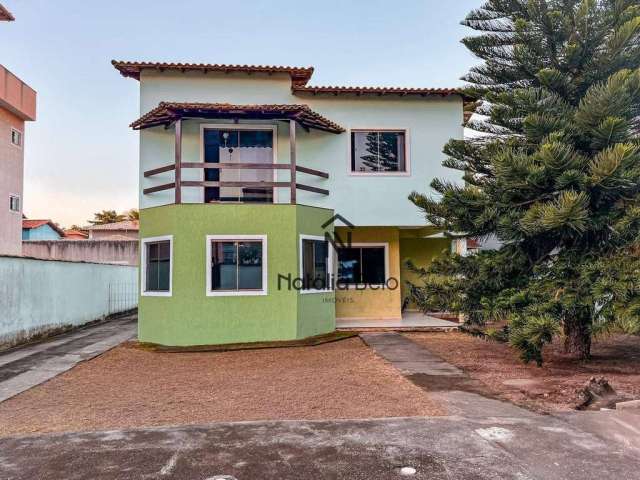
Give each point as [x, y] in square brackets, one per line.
[178, 183]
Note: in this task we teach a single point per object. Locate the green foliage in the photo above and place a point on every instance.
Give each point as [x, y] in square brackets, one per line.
[106, 216]
[557, 178]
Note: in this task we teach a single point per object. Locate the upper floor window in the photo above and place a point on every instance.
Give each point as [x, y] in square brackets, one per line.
[14, 203]
[378, 151]
[16, 137]
[156, 265]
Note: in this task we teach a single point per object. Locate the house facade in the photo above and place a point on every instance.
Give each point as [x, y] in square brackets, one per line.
[17, 106]
[40, 230]
[271, 209]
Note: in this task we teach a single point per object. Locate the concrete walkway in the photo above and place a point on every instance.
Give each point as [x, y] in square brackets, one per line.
[410, 321]
[446, 384]
[25, 367]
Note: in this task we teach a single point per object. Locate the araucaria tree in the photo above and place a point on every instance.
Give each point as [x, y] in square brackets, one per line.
[554, 174]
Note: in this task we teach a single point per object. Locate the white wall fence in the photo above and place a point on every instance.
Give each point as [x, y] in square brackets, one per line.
[40, 297]
[123, 252]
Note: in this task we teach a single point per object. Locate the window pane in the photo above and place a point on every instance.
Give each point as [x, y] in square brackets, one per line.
[158, 266]
[349, 265]
[378, 152]
[315, 264]
[249, 265]
[224, 266]
[373, 265]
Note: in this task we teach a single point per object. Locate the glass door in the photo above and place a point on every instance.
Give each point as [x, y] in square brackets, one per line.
[238, 146]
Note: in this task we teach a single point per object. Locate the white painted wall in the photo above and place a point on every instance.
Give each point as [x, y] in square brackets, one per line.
[37, 296]
[364, 200]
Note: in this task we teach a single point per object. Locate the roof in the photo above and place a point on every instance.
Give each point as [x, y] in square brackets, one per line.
[299, 75]
[379, 91]
[167, 112]
[124, 225]
[75, 233]
[31, 224]
[5, 15]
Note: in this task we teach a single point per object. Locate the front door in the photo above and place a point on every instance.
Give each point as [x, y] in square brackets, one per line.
[247, 146]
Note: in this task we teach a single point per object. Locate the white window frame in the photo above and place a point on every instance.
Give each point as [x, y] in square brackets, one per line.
[143, 264]
[330, 266]
[17, 145]
[354, 286]
[241, 126]
[407, 153]
[236, 293]
[15, 195]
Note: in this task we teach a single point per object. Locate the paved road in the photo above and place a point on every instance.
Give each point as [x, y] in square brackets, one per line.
[483, 438]
[25, 367]
[437, 448]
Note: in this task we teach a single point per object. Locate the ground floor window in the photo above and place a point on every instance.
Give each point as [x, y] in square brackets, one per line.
[236, 265]
[315, 263]
[362, 264]
[157, 253]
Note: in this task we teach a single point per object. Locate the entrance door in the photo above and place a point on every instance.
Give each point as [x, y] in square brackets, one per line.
[229, 145]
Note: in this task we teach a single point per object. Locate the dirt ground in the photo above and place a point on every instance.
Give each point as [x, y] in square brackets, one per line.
[549, 388]
[128, 387]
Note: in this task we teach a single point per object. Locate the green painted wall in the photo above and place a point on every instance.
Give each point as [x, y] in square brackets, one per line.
[316, 311]
[189, 316]
[421, 251]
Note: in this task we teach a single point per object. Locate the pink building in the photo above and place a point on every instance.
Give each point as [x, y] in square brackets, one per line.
[17, 106]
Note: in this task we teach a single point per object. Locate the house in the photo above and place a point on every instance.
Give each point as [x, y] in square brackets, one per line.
[125, 230]
[40, 230]
[271, 209]
[75, 235]
[17, 106]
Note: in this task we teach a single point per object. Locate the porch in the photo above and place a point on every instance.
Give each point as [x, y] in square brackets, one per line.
[410, 321]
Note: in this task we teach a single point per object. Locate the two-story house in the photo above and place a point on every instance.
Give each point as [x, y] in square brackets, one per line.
[242, 172]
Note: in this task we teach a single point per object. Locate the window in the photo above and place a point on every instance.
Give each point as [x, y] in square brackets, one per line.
[157, 256]
[315, 264]
[16, 137]
[378, 152]
[14, 203]
[236, 265]
[362, 265]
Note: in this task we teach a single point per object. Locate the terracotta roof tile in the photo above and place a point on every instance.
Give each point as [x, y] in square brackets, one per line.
[299, 75]
[167, 112]
[124, 225]
[402, 91]
[5, 15]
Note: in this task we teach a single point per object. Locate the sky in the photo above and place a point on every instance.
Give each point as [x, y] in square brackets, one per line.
[80, 155]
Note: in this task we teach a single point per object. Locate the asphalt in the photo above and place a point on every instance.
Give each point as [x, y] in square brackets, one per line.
[481, 438]
[25, 367]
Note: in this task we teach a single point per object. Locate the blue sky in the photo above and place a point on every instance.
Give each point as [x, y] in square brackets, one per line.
[81, 157]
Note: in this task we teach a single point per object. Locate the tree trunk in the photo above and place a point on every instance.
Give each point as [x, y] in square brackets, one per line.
[577, 339]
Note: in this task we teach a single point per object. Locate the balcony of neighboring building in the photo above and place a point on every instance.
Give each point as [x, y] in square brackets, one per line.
[16, 96]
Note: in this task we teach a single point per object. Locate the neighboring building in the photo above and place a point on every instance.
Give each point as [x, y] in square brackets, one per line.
[40, 230]
[17, 105]
[125, 230]
[75, 235]
[242, 169]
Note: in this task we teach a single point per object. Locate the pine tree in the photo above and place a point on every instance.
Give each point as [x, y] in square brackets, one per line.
[555, 175]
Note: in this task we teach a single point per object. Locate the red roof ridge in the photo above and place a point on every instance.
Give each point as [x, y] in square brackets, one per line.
[5, 14]
[299, 75]
[29, 224]
[336, 89]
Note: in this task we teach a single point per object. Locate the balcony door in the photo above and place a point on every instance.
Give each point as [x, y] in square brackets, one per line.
[238, 145]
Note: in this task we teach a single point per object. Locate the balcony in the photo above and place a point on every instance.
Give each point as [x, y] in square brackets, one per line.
[254, 187]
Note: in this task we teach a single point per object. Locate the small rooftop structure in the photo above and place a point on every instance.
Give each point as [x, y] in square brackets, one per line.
[125, 230]
[29, 224]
